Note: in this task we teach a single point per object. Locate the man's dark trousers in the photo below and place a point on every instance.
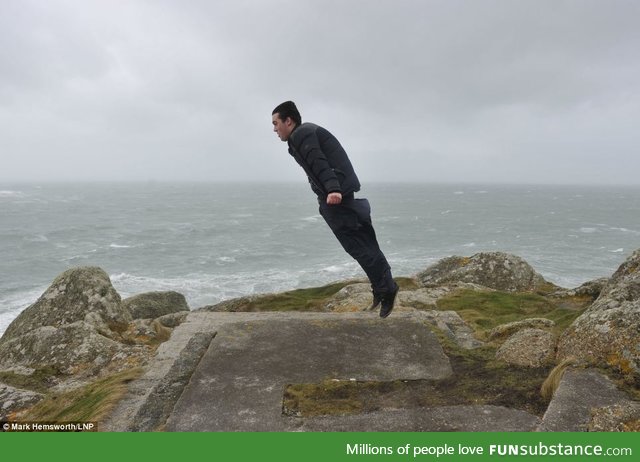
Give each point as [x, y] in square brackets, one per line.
[350, 221]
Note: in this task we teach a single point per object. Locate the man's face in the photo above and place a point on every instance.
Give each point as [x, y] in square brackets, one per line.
[282, 127]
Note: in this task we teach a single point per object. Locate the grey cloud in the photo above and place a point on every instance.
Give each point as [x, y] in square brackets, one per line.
[490, 90]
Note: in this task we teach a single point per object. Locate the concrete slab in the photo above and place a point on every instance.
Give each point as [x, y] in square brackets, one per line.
[160, 402]
[580, 392]
[239, 383]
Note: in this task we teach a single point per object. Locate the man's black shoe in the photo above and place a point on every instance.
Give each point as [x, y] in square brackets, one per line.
[387, 302]
[376, 301]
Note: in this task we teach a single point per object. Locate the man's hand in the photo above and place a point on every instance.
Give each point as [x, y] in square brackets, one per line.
[334, 198]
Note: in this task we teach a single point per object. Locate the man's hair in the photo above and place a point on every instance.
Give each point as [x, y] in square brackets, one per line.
[288, 109]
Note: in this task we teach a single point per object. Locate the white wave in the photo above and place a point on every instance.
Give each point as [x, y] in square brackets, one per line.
[182, 227]
[36, 238]
[199, 289]
[85, 256]
[458, 193]
[470, 244]
[226, 260]
[312, 219]
[563, 280]
[588, 230]
[120, 246]
[481, 192]
[128, 284]
[328, 273]
[7, 193]
[12, 305]
[620, 250]
[7, 318]
[389, 219]
[73, 258]
[332, 269]
[626, 230]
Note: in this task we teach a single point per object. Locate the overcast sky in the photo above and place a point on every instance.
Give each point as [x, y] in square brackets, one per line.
[529, 91]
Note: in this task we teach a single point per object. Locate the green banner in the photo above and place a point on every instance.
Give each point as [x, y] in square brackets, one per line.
[352, 447]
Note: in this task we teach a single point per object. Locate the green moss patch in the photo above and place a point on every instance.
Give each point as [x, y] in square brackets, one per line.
[311, 299]
[484, 310]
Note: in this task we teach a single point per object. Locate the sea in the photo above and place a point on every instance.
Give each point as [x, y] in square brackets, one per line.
[213, 242]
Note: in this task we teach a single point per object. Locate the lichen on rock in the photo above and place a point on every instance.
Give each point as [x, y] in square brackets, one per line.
[495, 270]
[152, 305]
[79, 294]
[528, 347]
[608, 332]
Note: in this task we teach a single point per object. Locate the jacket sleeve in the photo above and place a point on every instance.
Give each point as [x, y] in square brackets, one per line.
[316, 160]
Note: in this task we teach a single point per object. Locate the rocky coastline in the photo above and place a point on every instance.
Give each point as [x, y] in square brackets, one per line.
[514, 345]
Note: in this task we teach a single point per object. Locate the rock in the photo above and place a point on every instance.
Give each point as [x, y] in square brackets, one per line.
[152, 305]
[358, 297]
[495, 270]
[505, 330]
[354, 297]
[241, 304]
[13, 399]
[174, 319]
[77, 327]
[607, 333]
[424, 298]
[528, 347]
[590, 289]
[145, 330]
[616, 418]
[580, 393]
[70, 348]
[79, 294]
[453, 327]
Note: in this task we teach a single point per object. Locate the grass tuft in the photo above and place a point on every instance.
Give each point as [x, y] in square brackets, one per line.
[91, 402]
[550, 385]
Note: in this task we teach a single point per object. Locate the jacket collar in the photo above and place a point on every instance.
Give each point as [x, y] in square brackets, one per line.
[291, 134]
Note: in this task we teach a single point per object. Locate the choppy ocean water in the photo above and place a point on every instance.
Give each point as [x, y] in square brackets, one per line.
[213, 242]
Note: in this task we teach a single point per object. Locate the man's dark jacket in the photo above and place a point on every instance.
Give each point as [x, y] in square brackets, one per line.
[323, 159]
